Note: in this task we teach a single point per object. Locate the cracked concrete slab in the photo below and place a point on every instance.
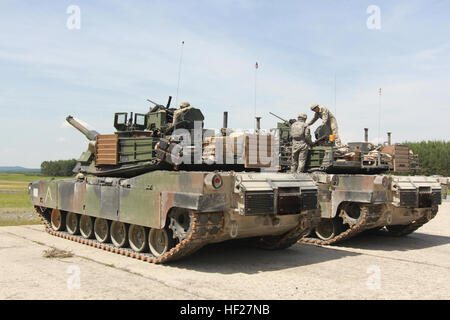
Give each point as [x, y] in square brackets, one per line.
[370, 267]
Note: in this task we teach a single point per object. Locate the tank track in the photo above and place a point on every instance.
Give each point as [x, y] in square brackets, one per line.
[291, 237]
[403, 230]
[368, 218]
[203, 230]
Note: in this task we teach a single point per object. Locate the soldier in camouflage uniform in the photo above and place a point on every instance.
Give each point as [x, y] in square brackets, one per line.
[178, 116]
[328, 119]
[184, 106]
[301, 141]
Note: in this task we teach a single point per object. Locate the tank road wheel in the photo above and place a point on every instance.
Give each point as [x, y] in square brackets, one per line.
[159, 241]
[101, 230]
[86, 227]
[138, 238]
[327, 229]
[72, 223]
[58, 220]
[119, 234]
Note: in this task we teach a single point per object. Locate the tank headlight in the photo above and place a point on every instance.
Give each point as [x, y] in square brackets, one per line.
[217, 181]
[213, 181]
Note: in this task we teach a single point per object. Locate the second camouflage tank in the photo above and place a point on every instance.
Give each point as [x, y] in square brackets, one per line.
[357, 191]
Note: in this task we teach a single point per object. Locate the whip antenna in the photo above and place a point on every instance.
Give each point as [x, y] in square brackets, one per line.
[179, 73]
[256, 69]
[379, 114]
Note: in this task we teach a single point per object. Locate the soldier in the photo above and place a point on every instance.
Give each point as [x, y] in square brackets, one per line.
[184, 106]
[178, 116]
[328, 119]
[301, 141]
[185, 118]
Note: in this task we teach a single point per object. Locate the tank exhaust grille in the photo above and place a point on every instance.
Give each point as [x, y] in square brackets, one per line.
[260, 202]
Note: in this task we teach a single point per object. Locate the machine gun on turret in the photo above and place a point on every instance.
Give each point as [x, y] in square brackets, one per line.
[288, 122]
[158, 106]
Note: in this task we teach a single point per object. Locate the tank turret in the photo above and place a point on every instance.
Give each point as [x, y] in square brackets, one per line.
[325, 156]
[165, 138]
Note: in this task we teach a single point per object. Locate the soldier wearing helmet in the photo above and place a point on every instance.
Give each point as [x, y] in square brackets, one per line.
[301, 142]
[184, 106]
[328, 119]
[185, 118]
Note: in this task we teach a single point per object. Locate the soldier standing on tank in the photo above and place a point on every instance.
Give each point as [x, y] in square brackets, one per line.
[178, 116]
[328, 119]
[301, 142]
[184, 106]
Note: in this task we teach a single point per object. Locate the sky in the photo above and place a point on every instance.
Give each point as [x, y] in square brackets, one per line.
[335, 53]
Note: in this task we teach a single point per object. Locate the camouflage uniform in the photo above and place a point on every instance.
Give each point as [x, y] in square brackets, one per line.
[301, 140]
[177, 115]
[328, 119]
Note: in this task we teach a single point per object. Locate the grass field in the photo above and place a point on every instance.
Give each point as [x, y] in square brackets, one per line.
[14, 190]
[15, 204]
[21, 177]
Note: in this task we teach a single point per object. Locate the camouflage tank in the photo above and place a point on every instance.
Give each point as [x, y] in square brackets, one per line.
[130, 195]
[357, 191]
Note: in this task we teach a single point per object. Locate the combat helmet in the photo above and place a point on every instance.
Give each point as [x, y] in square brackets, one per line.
[184, 104]
[314, 105]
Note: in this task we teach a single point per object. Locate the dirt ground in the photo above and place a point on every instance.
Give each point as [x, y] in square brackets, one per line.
[367, 267]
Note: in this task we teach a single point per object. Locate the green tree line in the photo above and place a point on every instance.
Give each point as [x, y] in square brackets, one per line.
[434, 157]
[59, 168]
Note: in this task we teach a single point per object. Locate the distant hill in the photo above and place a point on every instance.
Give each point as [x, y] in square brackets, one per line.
[19, 169]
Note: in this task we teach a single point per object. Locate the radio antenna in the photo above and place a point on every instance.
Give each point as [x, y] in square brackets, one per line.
[256, 69]
[379, 116]
[179, 73]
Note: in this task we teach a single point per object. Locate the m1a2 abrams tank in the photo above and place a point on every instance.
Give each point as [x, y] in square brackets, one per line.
[357, 191]
[131, 198]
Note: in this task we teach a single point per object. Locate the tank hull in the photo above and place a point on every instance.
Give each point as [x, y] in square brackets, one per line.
[213, 207]
[351, 204]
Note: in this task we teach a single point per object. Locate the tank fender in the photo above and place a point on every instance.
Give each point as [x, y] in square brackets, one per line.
[339, 196]
[211, 202]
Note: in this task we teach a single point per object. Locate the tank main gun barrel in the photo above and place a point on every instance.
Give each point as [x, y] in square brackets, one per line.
[89, 134]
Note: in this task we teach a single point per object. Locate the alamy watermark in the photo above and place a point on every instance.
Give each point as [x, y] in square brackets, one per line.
[74, 279]
[199, 146]
[74, 20]
[373, 282]
[374, 20]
